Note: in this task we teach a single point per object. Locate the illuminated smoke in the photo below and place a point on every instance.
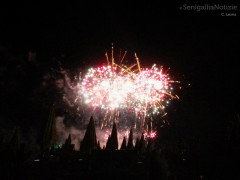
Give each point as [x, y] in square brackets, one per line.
[78, 134]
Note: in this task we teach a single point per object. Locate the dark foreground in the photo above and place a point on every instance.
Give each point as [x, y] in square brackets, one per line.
[102, 164]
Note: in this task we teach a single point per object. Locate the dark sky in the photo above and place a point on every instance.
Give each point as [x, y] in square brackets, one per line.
[202, 47]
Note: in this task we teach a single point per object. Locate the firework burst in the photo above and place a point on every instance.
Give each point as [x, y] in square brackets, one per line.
[118, 90]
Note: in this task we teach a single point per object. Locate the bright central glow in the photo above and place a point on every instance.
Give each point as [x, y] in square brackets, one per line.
[109, 88]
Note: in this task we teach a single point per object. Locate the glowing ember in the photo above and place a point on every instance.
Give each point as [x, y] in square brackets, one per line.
[151, 135]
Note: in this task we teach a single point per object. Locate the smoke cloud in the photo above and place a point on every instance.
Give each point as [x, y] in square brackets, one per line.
[77, 134]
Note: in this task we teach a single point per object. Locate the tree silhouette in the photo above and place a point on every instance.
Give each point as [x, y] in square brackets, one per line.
[124, 143]
[89, 141]
[130, 140]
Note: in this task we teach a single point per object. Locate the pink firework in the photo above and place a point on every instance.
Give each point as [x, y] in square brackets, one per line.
[105, 88]
[112, 88]
[151, 87]
[128, 95]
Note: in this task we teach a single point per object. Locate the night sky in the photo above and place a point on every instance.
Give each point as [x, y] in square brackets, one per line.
[200, 47]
